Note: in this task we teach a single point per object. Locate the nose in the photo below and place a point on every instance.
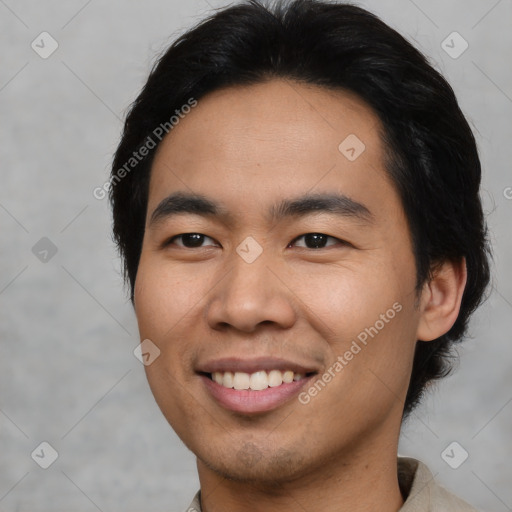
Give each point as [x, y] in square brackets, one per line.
[250, 295]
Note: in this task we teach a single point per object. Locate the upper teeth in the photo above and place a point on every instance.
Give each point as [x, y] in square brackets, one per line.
[256, 381]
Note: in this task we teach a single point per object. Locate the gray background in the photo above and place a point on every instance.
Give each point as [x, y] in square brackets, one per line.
[67, 372]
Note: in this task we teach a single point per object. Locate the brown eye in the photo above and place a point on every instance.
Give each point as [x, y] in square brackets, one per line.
[191, 240]
[315, 241]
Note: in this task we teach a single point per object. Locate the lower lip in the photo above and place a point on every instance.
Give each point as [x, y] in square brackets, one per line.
[248, 401]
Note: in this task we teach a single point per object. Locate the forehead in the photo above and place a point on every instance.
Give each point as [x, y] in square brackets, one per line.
[269, 140]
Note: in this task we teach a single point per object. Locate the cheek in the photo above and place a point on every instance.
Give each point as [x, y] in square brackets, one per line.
[347, 299]
[163, 297]
[164, 301]
[371, 306]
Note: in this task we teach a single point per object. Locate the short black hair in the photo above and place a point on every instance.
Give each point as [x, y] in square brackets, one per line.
[432, 156]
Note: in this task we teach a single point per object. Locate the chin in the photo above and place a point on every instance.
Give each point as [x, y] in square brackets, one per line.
[249, 464]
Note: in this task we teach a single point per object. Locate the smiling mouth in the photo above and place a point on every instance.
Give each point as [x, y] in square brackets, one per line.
[257, 381]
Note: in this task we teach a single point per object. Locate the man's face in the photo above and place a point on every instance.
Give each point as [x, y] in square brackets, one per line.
[303, 258]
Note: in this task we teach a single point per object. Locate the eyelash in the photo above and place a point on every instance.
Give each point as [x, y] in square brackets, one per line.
[342, 242]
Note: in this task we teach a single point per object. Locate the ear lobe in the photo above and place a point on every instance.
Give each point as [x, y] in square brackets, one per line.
[440, 300]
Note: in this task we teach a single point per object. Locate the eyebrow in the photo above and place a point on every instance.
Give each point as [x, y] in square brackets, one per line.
[338, 204]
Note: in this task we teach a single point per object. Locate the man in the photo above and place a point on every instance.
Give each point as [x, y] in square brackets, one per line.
[296, 199]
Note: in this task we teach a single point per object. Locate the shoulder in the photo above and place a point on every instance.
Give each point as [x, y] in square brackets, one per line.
[424, 494]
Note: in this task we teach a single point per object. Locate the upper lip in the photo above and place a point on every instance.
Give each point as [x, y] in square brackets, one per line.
[236, 364]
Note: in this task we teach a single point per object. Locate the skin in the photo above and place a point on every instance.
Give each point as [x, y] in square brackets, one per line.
[248, 148]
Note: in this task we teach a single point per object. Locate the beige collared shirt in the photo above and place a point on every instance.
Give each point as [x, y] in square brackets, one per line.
[417, 483]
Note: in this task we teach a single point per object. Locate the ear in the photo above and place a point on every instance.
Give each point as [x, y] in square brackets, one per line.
[440, 299]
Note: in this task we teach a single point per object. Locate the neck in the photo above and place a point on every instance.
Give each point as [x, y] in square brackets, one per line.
[364, 481]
